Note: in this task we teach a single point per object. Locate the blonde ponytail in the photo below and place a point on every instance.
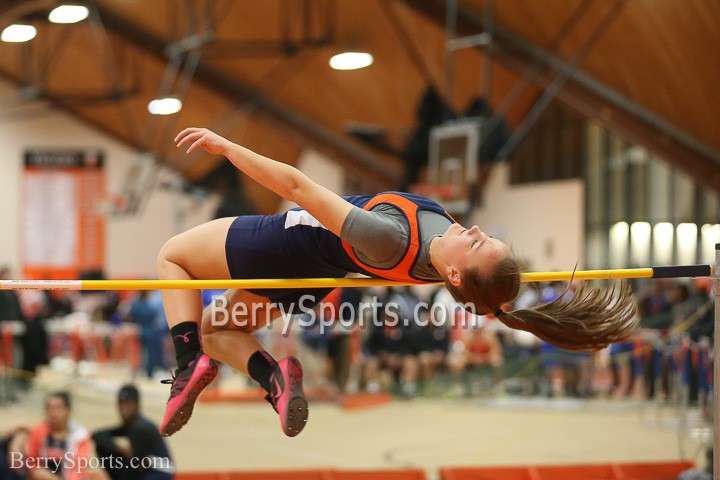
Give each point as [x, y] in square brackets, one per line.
[590, 320]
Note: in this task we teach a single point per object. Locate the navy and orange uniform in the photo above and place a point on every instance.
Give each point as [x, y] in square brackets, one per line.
[387, 236]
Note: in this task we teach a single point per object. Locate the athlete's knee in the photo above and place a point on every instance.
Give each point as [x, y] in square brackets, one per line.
[207, 327]
[169, 253]
[207, 337]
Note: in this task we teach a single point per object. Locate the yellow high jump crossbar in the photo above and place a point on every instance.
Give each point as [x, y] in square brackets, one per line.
[674, 271]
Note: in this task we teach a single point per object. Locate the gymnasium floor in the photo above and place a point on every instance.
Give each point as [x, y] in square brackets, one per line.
[419, 433]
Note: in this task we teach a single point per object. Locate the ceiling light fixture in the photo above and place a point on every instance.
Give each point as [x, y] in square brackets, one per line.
[165, 106]
[351, 60]
[68, 14]
[18, 32]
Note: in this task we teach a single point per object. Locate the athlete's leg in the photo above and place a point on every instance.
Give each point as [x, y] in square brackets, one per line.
[200, 253]
[227, 328]
[197, 253]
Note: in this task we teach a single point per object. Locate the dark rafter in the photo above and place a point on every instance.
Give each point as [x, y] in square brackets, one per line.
[336, 145]
[592, 99]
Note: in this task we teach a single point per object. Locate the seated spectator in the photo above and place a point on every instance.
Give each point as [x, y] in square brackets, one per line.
[338, 348]
[390, 358]
[430, 344]
[58, 446]
[655, 304]
[479, 350]
[13, 440]
[482, 347]
[313, 346]
[326, 332]
[136, 441]
[373, 344]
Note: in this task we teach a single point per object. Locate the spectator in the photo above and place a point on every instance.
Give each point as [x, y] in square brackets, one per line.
[479, 354]
[13, 440]
[338, 347]
[521, 350]
[34, 339]
[144, 313]
[162, 330]
[373, 345]
[9, 302]
[554, 360]
[655, 305]
[390, 359]
[482, 346]
[623, 365]
[136, 443]
[705, 325]
[11, 311]
[101, 306]
[58, 444]
[430, 343]
[314, 336]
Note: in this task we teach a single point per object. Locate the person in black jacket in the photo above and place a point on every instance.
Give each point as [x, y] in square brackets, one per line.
[133, 450]
[9, 302]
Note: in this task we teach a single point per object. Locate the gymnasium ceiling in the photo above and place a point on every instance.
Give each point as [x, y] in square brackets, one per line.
[257, 71]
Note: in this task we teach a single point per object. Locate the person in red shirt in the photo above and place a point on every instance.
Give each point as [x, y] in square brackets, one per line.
[58, 448]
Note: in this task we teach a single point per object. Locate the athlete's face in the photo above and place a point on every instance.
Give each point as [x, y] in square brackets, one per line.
[462, 249]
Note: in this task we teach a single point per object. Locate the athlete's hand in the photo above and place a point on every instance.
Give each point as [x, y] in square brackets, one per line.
[210, 141]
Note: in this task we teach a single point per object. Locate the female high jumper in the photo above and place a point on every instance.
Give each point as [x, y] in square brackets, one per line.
[396, 236]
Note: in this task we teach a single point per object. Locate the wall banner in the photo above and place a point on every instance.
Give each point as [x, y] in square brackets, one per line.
[63, 232]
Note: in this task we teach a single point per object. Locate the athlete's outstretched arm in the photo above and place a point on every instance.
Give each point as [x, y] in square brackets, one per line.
[290, 183]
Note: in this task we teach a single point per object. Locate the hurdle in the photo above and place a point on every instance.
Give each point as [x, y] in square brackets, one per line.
[673, 271]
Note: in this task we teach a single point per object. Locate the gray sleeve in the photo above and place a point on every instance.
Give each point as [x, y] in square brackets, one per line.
[377, 235]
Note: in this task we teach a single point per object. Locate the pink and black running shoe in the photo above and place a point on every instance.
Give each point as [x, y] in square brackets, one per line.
[287, 396]
[186, 386]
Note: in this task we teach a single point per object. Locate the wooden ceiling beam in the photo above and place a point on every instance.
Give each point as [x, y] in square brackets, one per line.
[12, 10]
[594, 100]
[345, 150]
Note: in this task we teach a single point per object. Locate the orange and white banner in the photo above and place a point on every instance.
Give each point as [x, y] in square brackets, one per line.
[63, 230]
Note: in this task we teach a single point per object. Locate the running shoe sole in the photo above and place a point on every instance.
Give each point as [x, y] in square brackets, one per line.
[183, 413]
[295, 414]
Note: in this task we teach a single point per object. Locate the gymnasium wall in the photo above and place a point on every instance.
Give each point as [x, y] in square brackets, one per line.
[131, 243]
[320, 169]
[544, 222]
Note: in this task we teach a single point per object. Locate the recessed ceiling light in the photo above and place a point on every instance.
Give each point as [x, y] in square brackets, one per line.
[68, 14]
[351, 60]
[165, 106]
[18, 32]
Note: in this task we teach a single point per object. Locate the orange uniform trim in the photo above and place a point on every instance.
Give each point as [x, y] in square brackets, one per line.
[401, 271]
